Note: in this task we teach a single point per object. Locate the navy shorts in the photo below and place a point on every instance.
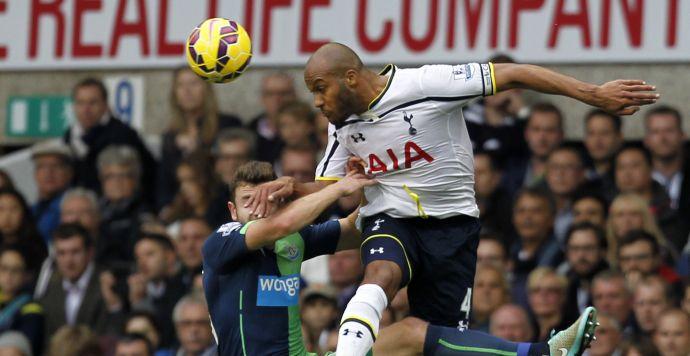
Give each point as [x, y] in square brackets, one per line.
[438, 260]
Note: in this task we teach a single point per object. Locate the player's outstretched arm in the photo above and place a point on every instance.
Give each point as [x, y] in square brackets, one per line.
[302, 211]
[265, 197]
[621, 97]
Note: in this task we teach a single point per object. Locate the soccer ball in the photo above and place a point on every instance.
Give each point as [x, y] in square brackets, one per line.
[218, 50]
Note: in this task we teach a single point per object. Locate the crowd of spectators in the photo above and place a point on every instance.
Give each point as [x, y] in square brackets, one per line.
[108, 261]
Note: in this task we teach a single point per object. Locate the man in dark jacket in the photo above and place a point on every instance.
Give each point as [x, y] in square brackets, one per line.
[95, 129]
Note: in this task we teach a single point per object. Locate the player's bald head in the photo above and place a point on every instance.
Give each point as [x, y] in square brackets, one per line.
[333, 58]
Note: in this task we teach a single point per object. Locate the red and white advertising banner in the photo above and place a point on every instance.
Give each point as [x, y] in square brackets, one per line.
[81, 34]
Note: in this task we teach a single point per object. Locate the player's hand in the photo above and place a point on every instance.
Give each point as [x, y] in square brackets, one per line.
[264, 200]
[625, 96]
[356, 164]
[353, 182]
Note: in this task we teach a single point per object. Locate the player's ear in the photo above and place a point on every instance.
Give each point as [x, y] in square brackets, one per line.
[351, 78]
[233, 210]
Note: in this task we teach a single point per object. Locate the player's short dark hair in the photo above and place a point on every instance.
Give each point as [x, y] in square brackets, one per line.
[67, 231]
[91, 82]
[637, 236]
[501, 58]
[665, 110]
[615, 119]
[548, 108]
[252, 173]
[588, 226]
[159, 239]
[136, 337]
[539, 194]
[634, 147]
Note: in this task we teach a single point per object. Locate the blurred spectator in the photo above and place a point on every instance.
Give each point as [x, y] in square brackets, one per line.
[564, 174]
[650, 299]
[493, 200]
[296, 125]
[585, 254]
[52, 173]
[643, 347]
[17, 229]
[609, 336]
[157, 285]
[298, 163]
[144, 323]
[276, 89]
[321, 130]
[194, 125]
[232, 148]
[492, 252]
[5, 180]
[639, 256]
[74, 340]
[14, 343]
[611, 295]
[75, 295]
[495, 123]
[629, 212]
[546, 292]
[17, 310]
[489, 292]
[95, 129]
[543, 133]
[672, 335]
[510, 322]
[197, 188]
[603, 138]
[345, 272]
[634, 175]
[190, 239]
[533, 215]
[664, 138]
[193, 326]
[685, 304]
[319, 311]
[588, 207]
[122, 208]
[133, 345]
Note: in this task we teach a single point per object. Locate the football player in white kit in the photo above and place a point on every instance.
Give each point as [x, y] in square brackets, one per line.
[420, 226]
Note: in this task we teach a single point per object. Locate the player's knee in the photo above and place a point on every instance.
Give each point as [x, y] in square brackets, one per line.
[414, 331]
[385, 274]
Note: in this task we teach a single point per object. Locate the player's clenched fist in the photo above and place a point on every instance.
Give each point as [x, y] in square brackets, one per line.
[624, 97]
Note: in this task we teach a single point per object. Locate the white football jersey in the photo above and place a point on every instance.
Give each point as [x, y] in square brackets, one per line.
[414, 139]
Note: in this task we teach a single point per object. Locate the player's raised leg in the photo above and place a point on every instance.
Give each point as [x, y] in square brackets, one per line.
[414, 336]
[388, 267]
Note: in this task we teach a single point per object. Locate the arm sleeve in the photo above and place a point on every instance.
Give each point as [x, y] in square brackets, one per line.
[332, 165]
[225, 245]
[321, 239]
[457, 82]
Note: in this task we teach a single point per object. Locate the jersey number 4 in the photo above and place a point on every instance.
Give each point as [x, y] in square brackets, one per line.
[467, 304]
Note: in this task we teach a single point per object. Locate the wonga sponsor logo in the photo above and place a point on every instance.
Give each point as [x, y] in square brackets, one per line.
[275, 291]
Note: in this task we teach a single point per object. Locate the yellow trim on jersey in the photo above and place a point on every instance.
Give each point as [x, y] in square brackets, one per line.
[365, 321]
[409, 265]
[334, 179]
[415, 198]
[32, 308]
[385, 89]
[493, 78]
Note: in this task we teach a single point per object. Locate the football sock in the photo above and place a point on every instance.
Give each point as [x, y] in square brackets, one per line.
[360, 323]
[447, 341]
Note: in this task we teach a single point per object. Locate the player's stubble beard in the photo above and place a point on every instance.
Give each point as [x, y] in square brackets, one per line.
[347, 103]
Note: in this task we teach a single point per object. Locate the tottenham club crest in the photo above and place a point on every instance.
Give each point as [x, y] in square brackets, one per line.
[412, 130]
